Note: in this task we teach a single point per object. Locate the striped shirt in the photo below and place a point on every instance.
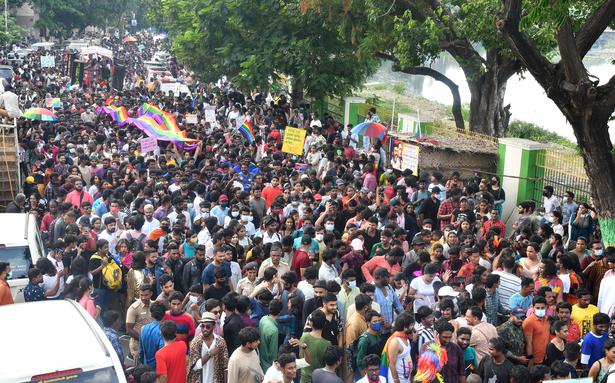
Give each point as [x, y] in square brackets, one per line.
[426, 335]
[510, 284]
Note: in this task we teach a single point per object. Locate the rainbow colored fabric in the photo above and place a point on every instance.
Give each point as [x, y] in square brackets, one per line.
[385, 358]
[246, 130]
[152, 121]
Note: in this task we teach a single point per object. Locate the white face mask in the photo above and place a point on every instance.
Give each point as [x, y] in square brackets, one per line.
[319, 237]
[247, 218]
[235, 214]
[540, 313]
[329, 227]
[352, 284]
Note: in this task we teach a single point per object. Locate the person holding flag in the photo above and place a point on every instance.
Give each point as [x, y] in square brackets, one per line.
[396, 360]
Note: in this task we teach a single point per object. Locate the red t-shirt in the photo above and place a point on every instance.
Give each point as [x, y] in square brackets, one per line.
[171, 361]
[301, 260]
[269, 193]
[466, 270]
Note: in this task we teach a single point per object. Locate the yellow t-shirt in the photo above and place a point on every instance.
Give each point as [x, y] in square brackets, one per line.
[584, 317]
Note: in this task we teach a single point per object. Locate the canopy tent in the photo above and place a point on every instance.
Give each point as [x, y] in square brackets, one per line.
[96, 50]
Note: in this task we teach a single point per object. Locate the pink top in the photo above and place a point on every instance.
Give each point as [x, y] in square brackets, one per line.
[88, 304]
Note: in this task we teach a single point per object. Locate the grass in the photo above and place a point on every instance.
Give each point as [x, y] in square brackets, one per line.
[527, 130]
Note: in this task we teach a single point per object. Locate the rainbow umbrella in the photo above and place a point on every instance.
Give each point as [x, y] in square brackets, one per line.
[41, 114]
[370, 129]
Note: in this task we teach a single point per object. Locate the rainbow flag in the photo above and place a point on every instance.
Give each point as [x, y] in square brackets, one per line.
[246, 130]
[385, 358]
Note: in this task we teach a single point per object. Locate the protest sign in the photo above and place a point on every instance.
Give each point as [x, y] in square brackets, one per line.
[293, 140]
[48, 61]
[148, 144]
[191, 118]
[210, 114]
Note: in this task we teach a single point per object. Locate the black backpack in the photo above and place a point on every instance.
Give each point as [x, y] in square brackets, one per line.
[135, 244]
[353, 350]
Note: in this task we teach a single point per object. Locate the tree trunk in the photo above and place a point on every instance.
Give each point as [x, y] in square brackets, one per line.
[592, 133]
[488, 114]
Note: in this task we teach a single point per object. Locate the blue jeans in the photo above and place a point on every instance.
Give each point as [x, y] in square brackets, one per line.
[100, 297]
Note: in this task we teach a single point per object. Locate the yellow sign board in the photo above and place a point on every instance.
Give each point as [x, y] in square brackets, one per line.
[293, 140]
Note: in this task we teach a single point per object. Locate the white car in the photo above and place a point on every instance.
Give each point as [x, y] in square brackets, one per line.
[21, 246]
[55, 341]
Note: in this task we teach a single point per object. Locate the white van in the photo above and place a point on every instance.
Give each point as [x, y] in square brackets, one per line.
[21, 246]
[176, 88]
[55, 341]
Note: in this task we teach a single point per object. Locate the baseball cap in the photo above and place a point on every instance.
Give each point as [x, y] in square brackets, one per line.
[519, 312]
[447, 291]
[364, 190]
[317, 197]
[222, 197]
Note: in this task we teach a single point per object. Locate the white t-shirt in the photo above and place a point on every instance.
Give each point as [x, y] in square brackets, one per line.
[424, 289]
[149, 226]
[50, 282]
[550, 204]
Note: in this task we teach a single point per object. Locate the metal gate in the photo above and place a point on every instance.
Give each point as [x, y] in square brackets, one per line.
[562, 169]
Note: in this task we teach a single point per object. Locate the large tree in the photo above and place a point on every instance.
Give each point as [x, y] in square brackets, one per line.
[257, 42]
[413, 33]
[588, 106]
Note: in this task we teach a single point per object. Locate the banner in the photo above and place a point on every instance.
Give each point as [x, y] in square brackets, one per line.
[77, 69]
[48, 61]
[405, 155]
[148, 144]
[70, 63]
[293, 140]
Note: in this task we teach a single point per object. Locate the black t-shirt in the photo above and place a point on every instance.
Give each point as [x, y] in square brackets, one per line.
[491, 372]
[215, 292]
[430, 210]
[463, 215]
[97, 279]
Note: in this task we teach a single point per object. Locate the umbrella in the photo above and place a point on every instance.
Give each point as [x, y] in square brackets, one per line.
[41, 114]
[129, 39]
[370, 129]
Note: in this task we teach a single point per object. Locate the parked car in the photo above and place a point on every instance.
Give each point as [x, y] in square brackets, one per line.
[21, 246]
[55, 341]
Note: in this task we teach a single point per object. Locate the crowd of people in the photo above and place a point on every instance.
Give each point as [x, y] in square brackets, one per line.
[237, 262]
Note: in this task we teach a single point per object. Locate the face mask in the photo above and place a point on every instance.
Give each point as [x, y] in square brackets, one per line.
[598, 252]
[247, 218]
[177, 231]
[205, 214]
[540, 313]
[329, 227]
[376, 326]
[426, 228]
[224, 205]
[352, 284]
[235, 214]
[319, 237]
[193, 299]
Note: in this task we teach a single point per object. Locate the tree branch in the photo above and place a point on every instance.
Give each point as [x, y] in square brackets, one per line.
[571, 61]
[606, 98]
[595, 25]
[426, 71]
[536, 63]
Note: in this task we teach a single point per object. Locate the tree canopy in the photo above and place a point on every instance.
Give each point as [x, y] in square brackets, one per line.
[257, 42]
[587, 105]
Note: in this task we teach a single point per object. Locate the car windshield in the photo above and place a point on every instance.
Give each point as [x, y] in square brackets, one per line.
[19, 259]
[103, 375]
[6, 72]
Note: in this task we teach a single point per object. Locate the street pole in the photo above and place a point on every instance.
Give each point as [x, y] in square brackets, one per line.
[6, 16]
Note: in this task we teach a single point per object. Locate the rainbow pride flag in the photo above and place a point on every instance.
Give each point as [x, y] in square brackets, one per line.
[246, 130]
[385, 358]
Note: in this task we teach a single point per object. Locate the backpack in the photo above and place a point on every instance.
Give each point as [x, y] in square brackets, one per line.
[135, 244]
[353, 350]
[110, 274]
